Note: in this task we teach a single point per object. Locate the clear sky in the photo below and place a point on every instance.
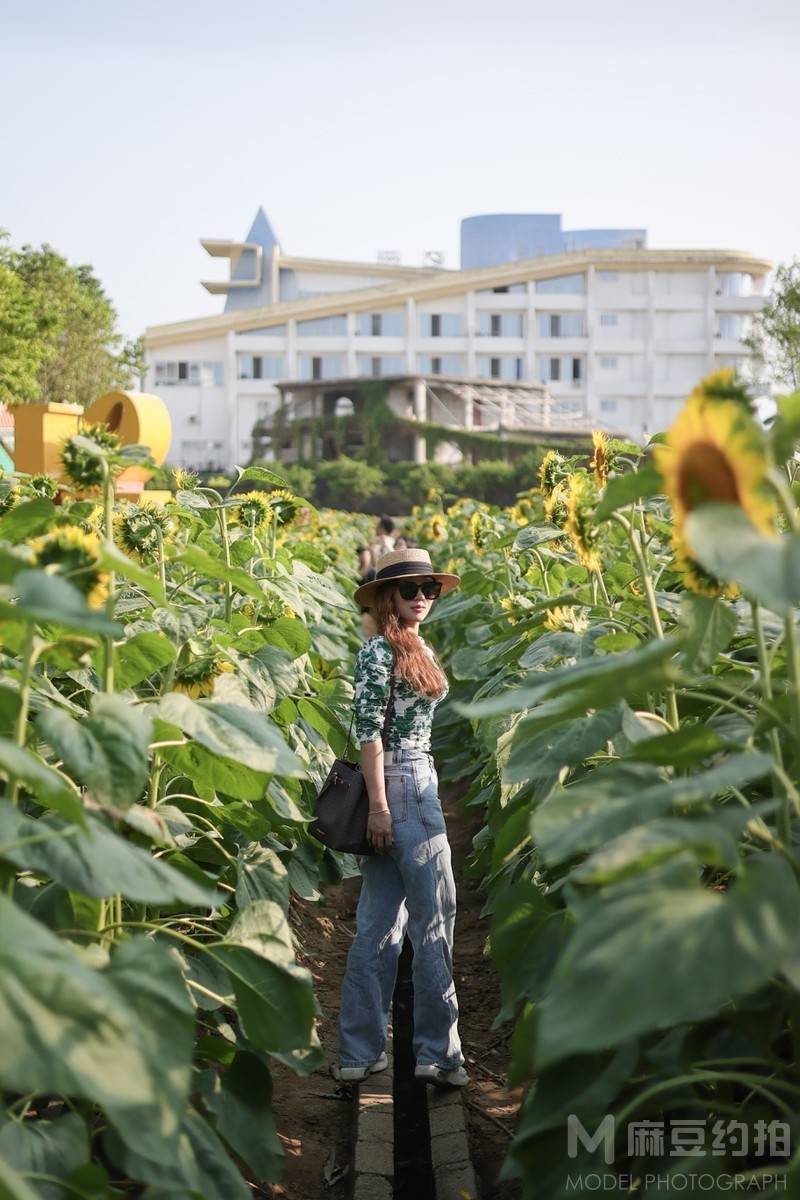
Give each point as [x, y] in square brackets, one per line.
[129, 131]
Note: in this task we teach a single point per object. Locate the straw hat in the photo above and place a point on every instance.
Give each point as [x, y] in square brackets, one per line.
[396, 565]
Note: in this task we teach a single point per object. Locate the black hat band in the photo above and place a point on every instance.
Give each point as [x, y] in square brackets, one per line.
[406, 568]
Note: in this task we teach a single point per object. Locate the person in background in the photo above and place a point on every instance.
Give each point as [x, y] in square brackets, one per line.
[403, 542]
[383, 540]
[366, 573]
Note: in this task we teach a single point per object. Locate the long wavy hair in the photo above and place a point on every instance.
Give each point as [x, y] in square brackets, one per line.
[413, 662]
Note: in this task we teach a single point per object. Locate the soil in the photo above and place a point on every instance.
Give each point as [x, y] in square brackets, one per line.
[314, 1114]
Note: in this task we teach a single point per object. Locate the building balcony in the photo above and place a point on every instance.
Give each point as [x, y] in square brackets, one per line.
[742, 304]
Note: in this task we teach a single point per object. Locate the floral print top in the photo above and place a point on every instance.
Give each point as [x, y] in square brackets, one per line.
[412, 713]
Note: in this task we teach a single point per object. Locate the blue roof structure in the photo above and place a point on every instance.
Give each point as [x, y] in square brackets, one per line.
[262, 233]
[494, 238]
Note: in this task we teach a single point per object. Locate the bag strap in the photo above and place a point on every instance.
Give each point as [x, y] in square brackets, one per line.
[386, 718]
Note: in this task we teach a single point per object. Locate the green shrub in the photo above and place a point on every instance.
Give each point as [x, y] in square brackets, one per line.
[492, 481]
[347, 483]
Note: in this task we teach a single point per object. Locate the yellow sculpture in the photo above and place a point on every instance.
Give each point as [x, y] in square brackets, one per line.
[137, 417]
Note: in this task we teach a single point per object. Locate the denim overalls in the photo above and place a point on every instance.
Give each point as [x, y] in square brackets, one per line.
[411, 884]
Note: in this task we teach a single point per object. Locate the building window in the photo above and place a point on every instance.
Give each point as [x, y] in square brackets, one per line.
[440, 364]
[577, 370]
[189, 374]
[608, 319]
[608, 363]
[562, 283]
[729, 325]
[380, 324]
[607, 404]
[553, 325]
[494, 368]
[441, 324]
[323, 327]
[500, 324]
[264, 331]
[555, 369]
[316, 368]
[378, 365]
[519, 368]
[734, 283]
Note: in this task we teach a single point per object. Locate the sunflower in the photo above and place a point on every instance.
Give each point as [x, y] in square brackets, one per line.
[41, 485]
[10, 495]
[601, 462]
[516, 514]
[254, 511]
[723, 385]
[285, 505]
[437, 528]
[584, 534]
[140, 529]
[263, 612]
[552, 471]
[695, 577]
[74, 554]
[185, 480]
[715, 453]
[566, 618]
[82, 468]
[480, 530]
[507, 604]
[196, 677]
[555, 506]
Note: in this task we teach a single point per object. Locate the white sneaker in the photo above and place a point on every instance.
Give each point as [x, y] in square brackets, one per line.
[456, 1077]
[354, 1074]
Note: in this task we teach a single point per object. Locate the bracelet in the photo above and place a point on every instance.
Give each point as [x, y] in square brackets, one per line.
[378, 812]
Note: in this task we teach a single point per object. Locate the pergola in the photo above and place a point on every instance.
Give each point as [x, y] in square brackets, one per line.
[491, 406]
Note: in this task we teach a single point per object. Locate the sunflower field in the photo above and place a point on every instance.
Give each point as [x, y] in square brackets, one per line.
[624, 723]
[173, 692]
[625, 717]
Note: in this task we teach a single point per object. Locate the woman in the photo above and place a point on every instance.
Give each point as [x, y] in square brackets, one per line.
[409, 880]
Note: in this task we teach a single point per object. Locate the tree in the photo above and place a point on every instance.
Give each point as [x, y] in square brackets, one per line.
[76, 322]
[775, 338]
[23, 348]
[133, 362]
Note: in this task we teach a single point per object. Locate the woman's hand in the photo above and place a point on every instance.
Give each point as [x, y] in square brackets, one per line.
[379, 829]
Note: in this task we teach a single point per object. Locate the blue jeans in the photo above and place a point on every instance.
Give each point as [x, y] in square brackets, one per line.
[410, 884]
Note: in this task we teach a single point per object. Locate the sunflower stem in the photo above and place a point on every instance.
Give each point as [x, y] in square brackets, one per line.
[793, 665]
[20, 725]
[162, 566]
[601, 583]
[785, 817]
[223, 522]
[785, 498]
[108, 520]
[540, 561]
[652, 604]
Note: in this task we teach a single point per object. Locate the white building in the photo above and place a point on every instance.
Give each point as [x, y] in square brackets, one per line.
[618, 332]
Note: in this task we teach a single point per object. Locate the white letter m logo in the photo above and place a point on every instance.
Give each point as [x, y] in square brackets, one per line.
[604, 1133]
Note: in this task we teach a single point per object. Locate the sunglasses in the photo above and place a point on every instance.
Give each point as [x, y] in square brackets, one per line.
[430, 589]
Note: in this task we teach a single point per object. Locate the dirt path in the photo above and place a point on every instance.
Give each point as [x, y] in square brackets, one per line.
[314, 1124]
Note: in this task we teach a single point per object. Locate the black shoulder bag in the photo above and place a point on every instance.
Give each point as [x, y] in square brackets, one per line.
[341, 808]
